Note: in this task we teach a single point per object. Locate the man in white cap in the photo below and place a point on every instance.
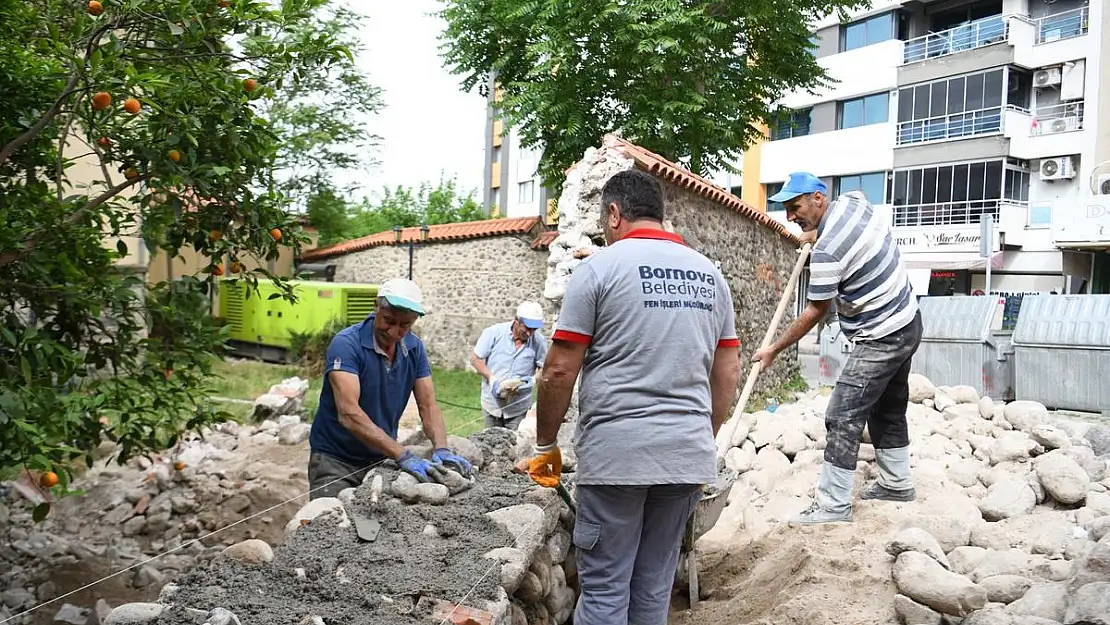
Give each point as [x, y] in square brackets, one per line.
[509, 355]
[371, 370]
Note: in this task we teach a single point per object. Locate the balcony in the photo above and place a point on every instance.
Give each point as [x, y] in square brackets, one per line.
[971, 36]
[1048, 131]
[968, 212]
[986, 121]
[1063, 25]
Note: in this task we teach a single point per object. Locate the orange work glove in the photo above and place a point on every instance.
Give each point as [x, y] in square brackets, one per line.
[546, 466]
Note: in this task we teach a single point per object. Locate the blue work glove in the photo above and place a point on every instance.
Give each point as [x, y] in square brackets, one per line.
[415, 466]
[451, 460]
[527, 382]
[495, 387]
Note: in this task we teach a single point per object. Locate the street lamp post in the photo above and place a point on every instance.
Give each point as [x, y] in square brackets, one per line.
[397, 230]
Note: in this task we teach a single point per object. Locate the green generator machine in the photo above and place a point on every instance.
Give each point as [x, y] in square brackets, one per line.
[262, 327]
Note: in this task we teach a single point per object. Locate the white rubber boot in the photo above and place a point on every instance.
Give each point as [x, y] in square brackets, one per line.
[895, 481]
[833, 503]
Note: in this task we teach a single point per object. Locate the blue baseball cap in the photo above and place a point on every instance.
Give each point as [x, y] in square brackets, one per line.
[799, 183]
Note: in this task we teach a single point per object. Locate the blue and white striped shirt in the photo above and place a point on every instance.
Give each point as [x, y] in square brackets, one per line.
[856, 261]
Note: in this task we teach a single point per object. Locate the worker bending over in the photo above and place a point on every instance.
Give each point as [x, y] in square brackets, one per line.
[371, 370]
[650, 325]
[856, 262]
[509, 356]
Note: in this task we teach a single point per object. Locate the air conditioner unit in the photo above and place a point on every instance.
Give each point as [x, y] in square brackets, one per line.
[1060, 124]
[1103, 184]
[1047, 77]
[1057, 168]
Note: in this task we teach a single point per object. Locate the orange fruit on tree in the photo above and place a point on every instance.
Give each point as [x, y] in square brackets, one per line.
[48, 479]
[237, 267]
[131, 105]
[179, 466]
[218, 270]
[215, 235]
[131, 172]
[275, 234]
[101, 100]
[174, 155]
[95, 8]
[104, 142]
[250, 84]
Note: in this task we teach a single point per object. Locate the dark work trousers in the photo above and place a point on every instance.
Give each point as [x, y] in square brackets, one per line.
[327, 475]
[873, 390]
[509, 423]
[627, 540]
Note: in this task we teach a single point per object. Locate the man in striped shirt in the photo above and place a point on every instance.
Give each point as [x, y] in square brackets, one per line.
[856, 262]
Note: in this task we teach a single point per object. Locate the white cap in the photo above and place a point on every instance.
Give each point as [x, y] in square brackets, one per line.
[402, 293]
[530, 314]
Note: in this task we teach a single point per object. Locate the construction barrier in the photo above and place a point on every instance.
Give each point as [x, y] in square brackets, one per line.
[963, 342]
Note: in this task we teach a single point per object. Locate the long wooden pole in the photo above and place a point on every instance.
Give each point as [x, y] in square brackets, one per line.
[724, 437]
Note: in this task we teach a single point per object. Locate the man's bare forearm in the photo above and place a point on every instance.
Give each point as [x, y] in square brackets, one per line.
[431, 421]
[481, 367]
[814, 312]
[723, 380]
[553, 402]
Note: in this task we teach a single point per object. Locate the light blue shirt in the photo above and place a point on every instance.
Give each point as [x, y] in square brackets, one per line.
[506, 361]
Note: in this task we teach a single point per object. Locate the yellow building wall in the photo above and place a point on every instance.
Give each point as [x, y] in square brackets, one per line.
[753, 191]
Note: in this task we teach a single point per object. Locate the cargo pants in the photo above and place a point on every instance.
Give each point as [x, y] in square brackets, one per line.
[627, 540]
[872, 390]
[327, 475]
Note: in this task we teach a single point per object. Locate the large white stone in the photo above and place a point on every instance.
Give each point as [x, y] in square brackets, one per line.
[920, 388]
[316, 508]
[1007, 498]
[1025, 415]
[924, 580]
[1062, 478]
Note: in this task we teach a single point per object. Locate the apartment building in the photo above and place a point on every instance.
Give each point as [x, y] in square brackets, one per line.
[945, 112]
[513, 188]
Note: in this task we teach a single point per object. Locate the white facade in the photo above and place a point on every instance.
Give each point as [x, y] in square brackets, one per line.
[945, 112]
[524, 196]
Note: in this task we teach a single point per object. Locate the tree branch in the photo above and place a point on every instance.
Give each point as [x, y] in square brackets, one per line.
[10, 256]
[61, 152]
[45, 120]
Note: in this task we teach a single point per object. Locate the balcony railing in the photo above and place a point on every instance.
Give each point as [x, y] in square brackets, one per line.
[977, 34]
[948, 127]
[947, 214]
[1063, 25]
[1050, 120]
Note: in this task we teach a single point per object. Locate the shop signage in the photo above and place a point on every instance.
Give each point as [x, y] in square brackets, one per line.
[939, 239]
[1081, 219]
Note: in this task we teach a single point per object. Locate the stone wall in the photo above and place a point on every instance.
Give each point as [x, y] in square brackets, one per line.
[755, 258]
[468, 285]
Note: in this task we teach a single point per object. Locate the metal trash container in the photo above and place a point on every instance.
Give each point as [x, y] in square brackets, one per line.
[1062, 351]
[962, 342]
[833, 351]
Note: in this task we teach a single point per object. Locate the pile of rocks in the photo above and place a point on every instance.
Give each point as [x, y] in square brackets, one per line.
[147, 507]
[492, 550]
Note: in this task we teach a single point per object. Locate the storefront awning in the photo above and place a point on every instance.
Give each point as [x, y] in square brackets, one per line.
[941, 260]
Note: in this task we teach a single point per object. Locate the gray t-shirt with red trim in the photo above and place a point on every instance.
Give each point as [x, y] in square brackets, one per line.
[654, 312]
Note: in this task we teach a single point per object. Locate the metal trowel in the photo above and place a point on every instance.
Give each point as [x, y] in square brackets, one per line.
[367, 528]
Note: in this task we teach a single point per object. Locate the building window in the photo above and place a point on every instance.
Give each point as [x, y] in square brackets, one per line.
[955, 108]
[526, 192]
[872, 109]
[867, 32]
[793, 124]
[1017, 185]
[771, 189]
[873, 185]
[959, 193]
[1040, 215]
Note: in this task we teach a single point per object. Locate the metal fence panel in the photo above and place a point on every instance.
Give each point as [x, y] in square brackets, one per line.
[956, 318]
[959, 347]
[1062, 351]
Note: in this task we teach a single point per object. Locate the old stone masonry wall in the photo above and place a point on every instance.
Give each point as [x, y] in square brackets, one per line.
[468, 285]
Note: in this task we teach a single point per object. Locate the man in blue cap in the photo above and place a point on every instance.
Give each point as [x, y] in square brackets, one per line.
[509, 356]
[856, 262]
[371, 370]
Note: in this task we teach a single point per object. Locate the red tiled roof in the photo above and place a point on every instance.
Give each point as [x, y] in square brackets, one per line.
[658, 166]
[543, 241]
[436, 234]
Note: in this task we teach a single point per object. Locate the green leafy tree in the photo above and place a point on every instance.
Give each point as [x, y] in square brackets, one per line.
[330, 213]
[406, 206]
[165, 101]
[686, 79]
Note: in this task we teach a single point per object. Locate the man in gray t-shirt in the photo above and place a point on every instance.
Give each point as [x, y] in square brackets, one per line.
[650, 325]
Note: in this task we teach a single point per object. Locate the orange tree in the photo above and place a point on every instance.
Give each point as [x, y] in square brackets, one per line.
[134, 118]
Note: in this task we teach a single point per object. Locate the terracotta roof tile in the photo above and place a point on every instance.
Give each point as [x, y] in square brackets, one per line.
[543, 241]
[436, 234]
[660, 167]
